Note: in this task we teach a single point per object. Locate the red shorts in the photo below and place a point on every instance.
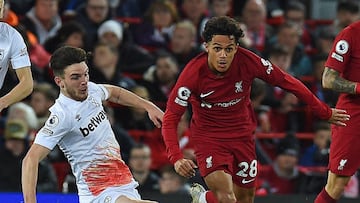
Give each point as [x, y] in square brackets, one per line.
[235, 157]
[345, 146]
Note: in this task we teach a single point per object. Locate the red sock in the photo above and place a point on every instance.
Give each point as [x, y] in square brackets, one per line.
[210, 197]
[324, 197]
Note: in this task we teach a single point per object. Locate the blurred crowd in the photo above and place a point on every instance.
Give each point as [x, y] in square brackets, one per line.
[143, 45]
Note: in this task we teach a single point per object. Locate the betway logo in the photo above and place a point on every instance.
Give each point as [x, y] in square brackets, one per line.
[93, 124]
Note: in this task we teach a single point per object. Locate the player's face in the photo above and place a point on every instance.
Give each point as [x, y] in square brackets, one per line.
[2, 7]
[75, 81]
[221, 50]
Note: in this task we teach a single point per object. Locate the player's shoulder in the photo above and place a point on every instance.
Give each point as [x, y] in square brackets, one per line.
[97, 89]
[353, 28]
[6, 29]
[245, 56]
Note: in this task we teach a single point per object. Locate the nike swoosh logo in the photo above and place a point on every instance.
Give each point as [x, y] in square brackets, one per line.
[247, 181]
[202, 95]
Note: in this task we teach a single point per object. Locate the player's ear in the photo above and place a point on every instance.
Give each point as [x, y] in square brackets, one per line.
[59, 81]
[206, 46]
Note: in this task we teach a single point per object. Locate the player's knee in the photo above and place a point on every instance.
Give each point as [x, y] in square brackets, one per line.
[225, 197]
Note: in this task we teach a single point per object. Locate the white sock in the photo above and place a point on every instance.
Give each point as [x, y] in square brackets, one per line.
[202, 198]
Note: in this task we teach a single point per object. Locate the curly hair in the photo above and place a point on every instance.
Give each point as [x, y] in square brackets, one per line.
[222, 25]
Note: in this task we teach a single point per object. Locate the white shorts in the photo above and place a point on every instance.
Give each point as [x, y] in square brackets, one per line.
[109, 195]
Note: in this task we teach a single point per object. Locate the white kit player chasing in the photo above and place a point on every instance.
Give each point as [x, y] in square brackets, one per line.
[79, 125]
[13, 52]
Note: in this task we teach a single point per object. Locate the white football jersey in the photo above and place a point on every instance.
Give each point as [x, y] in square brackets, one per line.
[12, 50]
[83, 132]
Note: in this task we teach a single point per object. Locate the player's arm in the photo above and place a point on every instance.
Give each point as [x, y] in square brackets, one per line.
[29, 174]
[184, 167]
[124, 97]
[21, 90]
[331, 79]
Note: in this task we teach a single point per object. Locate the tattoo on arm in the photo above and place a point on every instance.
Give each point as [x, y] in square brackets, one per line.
[338, 83]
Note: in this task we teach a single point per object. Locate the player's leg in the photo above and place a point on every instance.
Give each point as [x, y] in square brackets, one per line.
[244, 195]
[333, 190]
[220, 184]
[343, 158]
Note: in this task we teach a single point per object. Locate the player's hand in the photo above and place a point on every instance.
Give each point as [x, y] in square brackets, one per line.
[338, 117]
[156, 115]
[185, 167]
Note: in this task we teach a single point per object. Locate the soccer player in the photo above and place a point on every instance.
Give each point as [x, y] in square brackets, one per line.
[79, 125]
[217, 84]
[13, 51]
[342, 74]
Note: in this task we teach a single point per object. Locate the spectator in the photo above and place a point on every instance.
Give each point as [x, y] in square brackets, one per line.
[161, 78]
[91, 15]
[41, 99]
[172, 183]
[43, 19]
[71, 33]
[106, 69]
[142, 130]
[257, 95]
[295, 12]
[325, 37]
[159, 20]
[24, 112]
[139, 163]
[254, 17]
[16, 146]
[318, 153]
[132, 58]
[220, 7]
[183, 43]
[39, 57]
[283, 176]
[197, 12]
[289, 35]
[347, 12]
[314, 82]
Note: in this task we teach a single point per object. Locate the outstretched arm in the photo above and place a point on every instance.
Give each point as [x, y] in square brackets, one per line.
[29, 174]
[21, 90]
[124, 97]
[332, 80]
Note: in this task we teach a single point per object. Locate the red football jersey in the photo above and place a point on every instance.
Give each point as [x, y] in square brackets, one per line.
[345, 58]
[221, 104]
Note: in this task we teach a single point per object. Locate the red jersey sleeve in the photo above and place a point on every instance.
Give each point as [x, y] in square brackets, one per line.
[177, 103]
[272, 74]
[340, 53]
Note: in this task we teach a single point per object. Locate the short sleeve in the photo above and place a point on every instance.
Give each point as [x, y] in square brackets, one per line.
[340, 53]
[55, 128]
[19, 56]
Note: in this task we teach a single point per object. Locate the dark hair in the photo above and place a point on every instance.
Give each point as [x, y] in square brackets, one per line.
[278, 50]
[296, 6]
[47, 90]
[348, 5]
[111, 47]
[161, 53]
[66, 56]
[162, 4]
[289, 145]
[222, 25]
[321, 125]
